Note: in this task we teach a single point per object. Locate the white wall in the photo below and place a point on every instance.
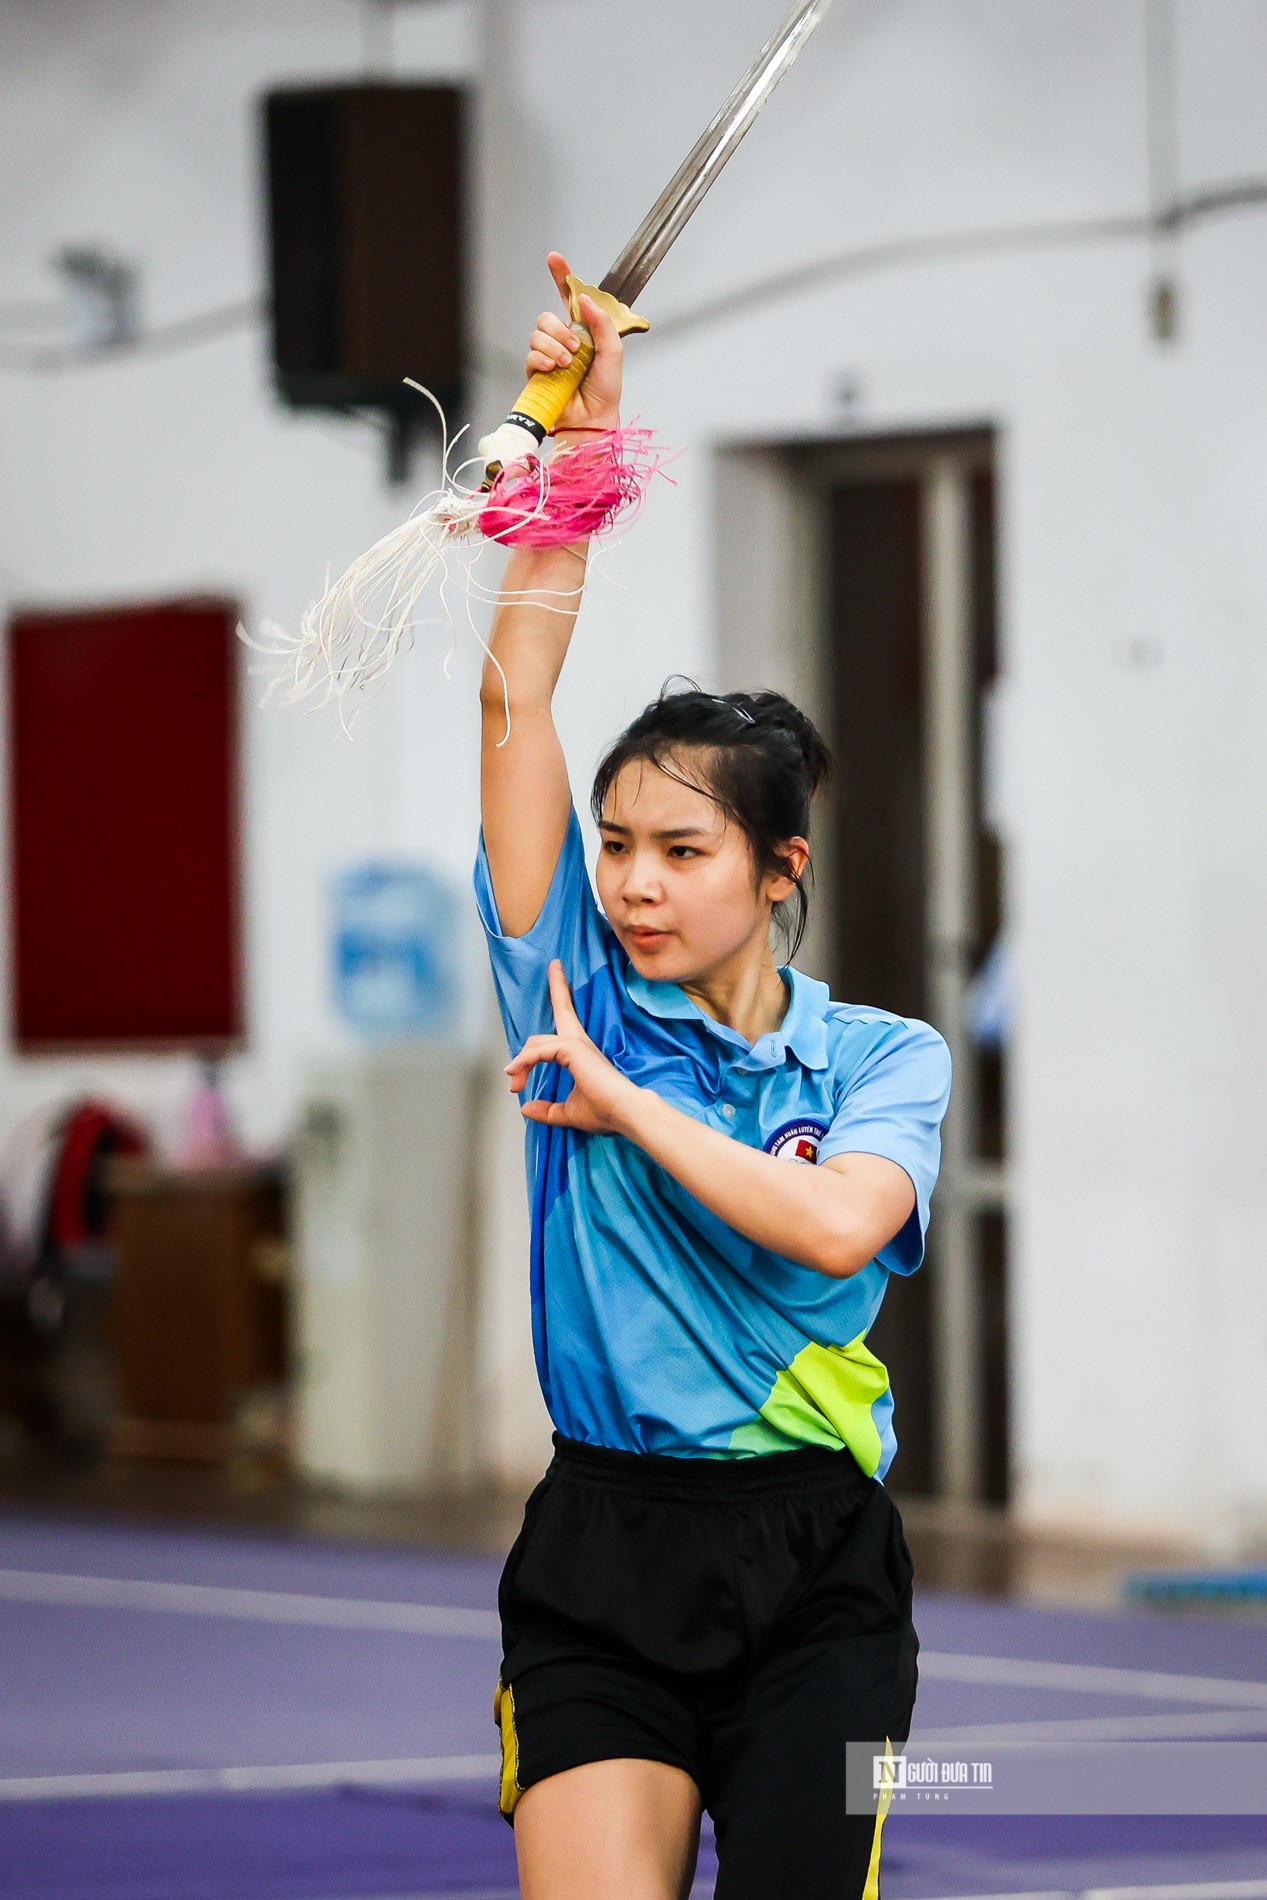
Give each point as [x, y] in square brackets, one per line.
[136, 125]
[1134, 568]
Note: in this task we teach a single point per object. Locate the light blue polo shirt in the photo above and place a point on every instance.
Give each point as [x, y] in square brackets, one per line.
[656, 1326]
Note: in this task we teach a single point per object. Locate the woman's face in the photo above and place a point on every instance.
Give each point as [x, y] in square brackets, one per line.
[676, 878]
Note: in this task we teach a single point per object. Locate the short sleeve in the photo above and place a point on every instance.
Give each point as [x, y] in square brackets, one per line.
[893, 1106]
[569, 927]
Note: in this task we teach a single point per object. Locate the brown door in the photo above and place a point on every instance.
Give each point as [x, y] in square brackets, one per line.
[876, 657]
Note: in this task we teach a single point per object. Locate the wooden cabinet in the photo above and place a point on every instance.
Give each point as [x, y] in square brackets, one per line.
[199, 1317]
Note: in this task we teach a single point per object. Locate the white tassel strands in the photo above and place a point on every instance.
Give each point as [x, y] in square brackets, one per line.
[349, 639]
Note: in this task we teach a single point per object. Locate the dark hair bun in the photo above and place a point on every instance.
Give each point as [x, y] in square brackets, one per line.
[775, 713]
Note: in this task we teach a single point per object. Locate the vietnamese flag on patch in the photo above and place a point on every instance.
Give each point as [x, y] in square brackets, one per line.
[806, 1150]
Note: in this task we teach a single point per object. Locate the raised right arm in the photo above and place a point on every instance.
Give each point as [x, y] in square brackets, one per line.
[525, 800]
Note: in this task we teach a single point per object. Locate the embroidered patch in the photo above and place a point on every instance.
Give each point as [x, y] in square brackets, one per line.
[797, 1141]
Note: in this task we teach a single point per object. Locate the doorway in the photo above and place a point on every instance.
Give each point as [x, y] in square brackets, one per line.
[860, 578]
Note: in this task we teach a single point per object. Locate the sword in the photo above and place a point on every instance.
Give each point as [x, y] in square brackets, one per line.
[547, 394]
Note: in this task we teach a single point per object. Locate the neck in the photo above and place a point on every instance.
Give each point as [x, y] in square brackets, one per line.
[746, 993]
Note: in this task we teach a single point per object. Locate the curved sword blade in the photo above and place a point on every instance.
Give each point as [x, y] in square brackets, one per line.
[682, 195]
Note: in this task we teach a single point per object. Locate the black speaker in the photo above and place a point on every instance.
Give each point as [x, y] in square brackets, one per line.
[366, 216]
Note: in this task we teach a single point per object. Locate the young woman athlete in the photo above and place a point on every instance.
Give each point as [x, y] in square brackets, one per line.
[711, 1593]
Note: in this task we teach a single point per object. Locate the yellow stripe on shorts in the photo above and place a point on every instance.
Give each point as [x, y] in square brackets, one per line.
[504, 1716]
[872, 1889]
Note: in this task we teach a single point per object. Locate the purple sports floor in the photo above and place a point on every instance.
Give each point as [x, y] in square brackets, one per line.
[189, 1716]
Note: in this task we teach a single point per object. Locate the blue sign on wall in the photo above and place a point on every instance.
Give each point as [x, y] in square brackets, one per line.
[396, 951]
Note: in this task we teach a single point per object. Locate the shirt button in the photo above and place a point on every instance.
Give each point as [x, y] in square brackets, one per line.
[728, 1110]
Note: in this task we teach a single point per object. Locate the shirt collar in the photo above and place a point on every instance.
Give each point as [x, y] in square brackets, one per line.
[803, 1029]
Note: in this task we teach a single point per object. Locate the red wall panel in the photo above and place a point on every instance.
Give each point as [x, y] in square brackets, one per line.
[123, 826]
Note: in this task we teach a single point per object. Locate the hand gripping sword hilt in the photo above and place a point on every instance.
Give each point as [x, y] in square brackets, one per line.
[546, 395]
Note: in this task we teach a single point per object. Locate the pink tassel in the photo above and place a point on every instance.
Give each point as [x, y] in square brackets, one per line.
[349, 638]
[584, 489]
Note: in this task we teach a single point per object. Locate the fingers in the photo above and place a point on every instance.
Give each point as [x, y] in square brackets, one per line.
[607, 341]
[536, 1049]
[553, 1114]
[560, 270]
[566, 1020]
[548, 1048]
[552, 345]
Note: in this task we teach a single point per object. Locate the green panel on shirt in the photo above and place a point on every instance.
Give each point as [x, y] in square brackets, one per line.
[823, 1398]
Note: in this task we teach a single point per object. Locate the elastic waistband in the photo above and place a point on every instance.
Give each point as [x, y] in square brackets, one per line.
[650, 1474]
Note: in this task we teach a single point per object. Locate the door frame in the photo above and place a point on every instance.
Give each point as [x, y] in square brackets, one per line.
[770, 550]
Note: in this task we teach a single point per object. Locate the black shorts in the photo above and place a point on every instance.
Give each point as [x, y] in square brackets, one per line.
[741, 1619]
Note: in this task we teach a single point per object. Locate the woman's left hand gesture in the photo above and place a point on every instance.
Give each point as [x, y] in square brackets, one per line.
[601, 1096]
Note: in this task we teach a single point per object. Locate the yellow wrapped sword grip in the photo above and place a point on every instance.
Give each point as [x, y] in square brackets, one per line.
[546, 395]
